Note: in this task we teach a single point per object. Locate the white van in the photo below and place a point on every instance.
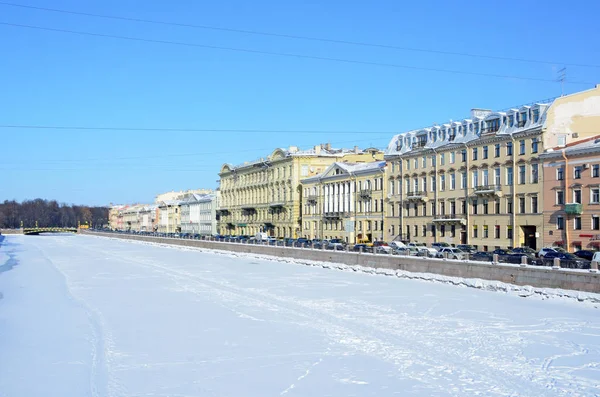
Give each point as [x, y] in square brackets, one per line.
[261, 236]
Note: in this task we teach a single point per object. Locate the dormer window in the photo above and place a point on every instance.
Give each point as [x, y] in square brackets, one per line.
[477, 128]
[535, 115]
[522, 119]
[452, 135]
[492, 126]
[511, 120]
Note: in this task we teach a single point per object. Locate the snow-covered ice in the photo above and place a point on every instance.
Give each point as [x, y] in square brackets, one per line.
[89, 316]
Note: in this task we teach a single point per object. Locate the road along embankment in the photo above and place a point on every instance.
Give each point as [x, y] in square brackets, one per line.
[535, 276]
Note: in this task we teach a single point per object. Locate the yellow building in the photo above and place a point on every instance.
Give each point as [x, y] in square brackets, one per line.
[264, 195]
[169, 216]
[477, 181]
[346, 201]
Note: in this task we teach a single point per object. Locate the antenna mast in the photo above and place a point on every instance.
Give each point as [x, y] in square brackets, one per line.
[562, 76]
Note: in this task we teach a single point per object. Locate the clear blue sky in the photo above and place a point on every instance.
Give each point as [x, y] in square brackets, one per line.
[63, 79]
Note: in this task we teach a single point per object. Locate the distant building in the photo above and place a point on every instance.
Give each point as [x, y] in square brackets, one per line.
[264, 195]
[169, 216]
[346, 201]
[572, 195]
[199, 214]
[173, 195]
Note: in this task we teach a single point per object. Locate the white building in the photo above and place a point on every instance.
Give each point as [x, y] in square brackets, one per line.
[199, 214]
[181, 195]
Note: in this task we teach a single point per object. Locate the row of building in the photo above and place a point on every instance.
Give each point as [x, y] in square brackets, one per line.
[524, 176]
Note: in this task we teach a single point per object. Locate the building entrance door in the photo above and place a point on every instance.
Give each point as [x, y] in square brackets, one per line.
[529, 238]
[463, 237]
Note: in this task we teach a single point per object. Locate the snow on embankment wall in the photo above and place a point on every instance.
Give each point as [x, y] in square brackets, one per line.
[540, 277]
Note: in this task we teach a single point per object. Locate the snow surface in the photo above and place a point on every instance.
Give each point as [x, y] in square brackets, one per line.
[90, 316]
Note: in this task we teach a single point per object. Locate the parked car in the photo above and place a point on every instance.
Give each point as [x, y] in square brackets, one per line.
[336, 244]
[545, 250]
[363, 247]
[523, 250]
[426, 251]
[469, 249]
[302, 242]
[382, 247]
[440, 246]
[416, 245]
[566, 260]
[500, 251]
[482, 256]
[397, 244]
[453, 253]
[585, 254]
[412, 251]
[289, 242]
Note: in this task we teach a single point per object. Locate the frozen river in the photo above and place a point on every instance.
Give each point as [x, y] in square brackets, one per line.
[90, 316]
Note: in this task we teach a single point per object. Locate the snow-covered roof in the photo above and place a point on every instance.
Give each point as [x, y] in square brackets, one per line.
[340, 168]
[481, 122]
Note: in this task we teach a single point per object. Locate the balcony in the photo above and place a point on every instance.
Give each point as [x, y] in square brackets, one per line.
[332, 216]
[365, 194]
[488, 190]
[278, 204]
[450, 219]
[312, 199]
[573, 209]
[417, 196]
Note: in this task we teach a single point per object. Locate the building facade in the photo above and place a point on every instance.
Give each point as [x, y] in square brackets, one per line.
[346, 201]
[169, 216]
[264, 195]
[477, 180]
[199, 214]
[149, 218]
[180, 195]
[572, 196]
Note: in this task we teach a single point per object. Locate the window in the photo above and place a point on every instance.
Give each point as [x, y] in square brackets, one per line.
[485, 178]
[577, 196]
[577, 172]
[474, 204]
[534, 145]
[577, 223]
[521, 175]
[416, 163]
[509, 232]
[452, 157]
[475, 178]
[407, 164]
[304, 170]
[416, 229]
[442, 208]
[595, 222]
[442, 182]
[560, 197]
[485, 207]
[453, 208]
[560, 174]
[497, 150]
[521, 205]
[433, 183]
[442, 230]
[453, 230]
[595, 193]
[497, 231]
[535, 115]
[433, 208]
[595, 170]
[492, 125]
[432, 230]
[485, 231]
[497, 205]
[463, 154]
[509, 148]
[424, 182]
[534, 173]
[485, 152]
[522, 119]
[509, 176]
[463, 180]
[452, 181]
[424, 209]
[475, 231]
[474, 153]
[509, 207]
[522, 146]
[560, 222]
[433, 162]
[424, 230]
[534, 205]
[463, 206]
[424, 162]
[497, 181]
[442, 159]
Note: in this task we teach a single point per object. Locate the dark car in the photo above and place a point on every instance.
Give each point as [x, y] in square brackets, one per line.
[302, 242]
[585, 254]
[481, 256]
[467, 248]
[362, 248]
[289, 242]
[523, 250]
[500, 251]
[567, 260]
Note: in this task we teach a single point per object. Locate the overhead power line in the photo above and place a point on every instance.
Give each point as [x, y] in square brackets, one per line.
[83, 128]
[297, 37]
[291, 55]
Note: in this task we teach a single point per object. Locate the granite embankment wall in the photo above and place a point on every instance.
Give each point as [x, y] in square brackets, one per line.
[541, 277]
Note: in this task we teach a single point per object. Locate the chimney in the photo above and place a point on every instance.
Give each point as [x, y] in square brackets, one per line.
[479, 113]
[327, 146]
[293, 149]
[356, 150]
[318, 149]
